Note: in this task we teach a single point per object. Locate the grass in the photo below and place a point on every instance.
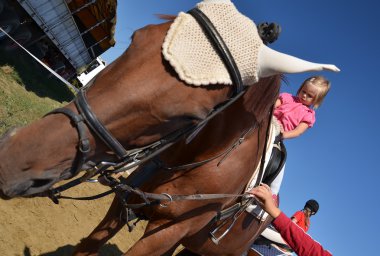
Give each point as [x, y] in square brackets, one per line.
[18, 106]
[27, 90]
[33, 77]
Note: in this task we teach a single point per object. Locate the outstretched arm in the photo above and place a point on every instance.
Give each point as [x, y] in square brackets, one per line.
[272, 62]
[294, 236]
[297, 239]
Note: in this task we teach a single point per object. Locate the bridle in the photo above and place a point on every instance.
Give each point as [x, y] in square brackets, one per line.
[128, 159]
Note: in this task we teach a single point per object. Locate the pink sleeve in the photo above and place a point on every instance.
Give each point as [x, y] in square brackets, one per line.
[285, 97]
[309, 118]
[297, 239]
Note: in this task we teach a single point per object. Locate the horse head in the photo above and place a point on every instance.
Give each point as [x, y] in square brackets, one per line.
[138, 98]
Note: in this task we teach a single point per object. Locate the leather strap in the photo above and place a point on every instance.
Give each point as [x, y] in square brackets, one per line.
[220, 46]
[97, 127]
[84, 142]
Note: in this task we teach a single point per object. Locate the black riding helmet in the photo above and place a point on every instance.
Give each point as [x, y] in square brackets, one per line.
[312, 205]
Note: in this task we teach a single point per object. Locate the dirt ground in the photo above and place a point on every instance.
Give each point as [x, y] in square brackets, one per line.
[37, 226]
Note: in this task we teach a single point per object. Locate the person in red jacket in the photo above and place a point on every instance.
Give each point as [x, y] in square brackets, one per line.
[302, 218]
[294, 236]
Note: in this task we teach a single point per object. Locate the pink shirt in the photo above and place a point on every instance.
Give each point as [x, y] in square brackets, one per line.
[291, 112]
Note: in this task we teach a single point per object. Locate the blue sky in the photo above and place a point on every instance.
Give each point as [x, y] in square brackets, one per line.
[335, 162]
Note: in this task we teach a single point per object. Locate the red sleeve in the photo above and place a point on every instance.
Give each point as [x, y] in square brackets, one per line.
[297, 239]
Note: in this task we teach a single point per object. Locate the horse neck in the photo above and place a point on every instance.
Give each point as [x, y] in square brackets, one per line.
[248, 113]
[260, 97]
[251, 110]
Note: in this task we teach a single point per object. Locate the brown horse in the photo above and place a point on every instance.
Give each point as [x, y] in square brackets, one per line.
[189, 222]
[140, 99]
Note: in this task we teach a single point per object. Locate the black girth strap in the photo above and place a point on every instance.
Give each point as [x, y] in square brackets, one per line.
[220, 46]
[97, 127]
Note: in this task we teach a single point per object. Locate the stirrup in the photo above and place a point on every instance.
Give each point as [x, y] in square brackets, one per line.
[216, 239]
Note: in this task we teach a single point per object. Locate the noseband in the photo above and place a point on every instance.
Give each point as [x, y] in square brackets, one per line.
[84, 142]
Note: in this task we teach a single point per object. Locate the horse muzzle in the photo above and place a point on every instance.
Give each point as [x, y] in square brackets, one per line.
[14, 190]
[29, 188]
[4, 196]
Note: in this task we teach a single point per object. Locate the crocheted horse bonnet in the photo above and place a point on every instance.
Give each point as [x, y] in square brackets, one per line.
[188, 50]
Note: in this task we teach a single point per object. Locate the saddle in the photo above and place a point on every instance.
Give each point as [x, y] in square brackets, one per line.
[276, 161]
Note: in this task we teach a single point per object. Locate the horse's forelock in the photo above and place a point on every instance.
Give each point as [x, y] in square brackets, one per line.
[166, 16]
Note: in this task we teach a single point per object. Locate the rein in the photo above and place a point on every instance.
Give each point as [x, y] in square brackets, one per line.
[122, 189]
[225, 153]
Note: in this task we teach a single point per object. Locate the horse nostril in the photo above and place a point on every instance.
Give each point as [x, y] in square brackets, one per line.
[40, 182]
[3, 196]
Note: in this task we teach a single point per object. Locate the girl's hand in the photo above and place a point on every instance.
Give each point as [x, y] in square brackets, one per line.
[263, 195]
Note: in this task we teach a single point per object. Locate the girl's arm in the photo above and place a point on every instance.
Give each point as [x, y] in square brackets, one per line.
[272, 62]
[300, 129]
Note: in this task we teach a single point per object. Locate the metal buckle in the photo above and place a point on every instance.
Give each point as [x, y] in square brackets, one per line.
[96, 170]
[170, 200]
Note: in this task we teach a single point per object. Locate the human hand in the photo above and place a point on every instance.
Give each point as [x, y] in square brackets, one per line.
[330, 67]
[263, 195]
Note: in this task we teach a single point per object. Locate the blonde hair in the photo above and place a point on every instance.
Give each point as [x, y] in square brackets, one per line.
[323, 86]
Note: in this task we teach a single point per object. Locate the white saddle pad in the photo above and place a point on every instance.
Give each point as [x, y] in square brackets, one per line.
[269, 250]
[255, 209]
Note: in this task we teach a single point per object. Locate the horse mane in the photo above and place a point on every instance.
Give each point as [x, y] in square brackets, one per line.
[166, 16]
[260, 105]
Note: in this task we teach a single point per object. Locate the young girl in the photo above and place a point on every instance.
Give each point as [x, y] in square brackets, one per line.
[295, 114]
